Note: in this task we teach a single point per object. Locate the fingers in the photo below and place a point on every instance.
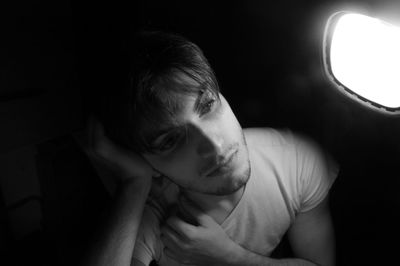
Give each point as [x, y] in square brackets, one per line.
[181, 228]
[101, 144]
[193, 210]
[174, 246]
[97, 140]
[171, 239]
[127, 163]
[95, 129]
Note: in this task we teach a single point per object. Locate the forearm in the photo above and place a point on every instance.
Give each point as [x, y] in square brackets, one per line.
[245, 257]
[114, 246]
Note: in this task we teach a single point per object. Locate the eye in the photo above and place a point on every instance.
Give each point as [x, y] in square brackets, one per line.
[207, 106]
[169, 142]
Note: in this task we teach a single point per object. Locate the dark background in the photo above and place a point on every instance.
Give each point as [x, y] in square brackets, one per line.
[266, 54]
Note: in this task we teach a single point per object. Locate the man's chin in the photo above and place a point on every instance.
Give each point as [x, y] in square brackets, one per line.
[234, 184]
[222, 185]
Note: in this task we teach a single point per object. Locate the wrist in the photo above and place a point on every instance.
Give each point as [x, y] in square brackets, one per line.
[237, 255]
[244, 257]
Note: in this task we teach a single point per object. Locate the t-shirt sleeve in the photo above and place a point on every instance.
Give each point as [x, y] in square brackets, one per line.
[147, 246]
[316, 172]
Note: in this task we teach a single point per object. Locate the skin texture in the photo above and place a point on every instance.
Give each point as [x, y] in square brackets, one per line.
[115, 243]
[205, 140]
[209, 158]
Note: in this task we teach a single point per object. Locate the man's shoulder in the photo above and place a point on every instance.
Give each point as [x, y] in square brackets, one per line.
[268, 137]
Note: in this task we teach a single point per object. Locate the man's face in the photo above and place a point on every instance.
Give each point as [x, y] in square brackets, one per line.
[205, 150]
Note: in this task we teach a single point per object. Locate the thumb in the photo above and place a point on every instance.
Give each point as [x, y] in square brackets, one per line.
[194, 213]
[98, 143]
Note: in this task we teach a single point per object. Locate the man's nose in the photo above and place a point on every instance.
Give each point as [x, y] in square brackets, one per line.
[210, 144]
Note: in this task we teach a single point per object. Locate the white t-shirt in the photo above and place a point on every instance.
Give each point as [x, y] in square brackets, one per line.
[289, 175]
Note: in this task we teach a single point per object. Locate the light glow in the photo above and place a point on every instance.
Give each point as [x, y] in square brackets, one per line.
[365, 58]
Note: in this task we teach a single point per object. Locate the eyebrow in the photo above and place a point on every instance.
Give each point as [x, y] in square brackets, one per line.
[196, 108]
[163, 131]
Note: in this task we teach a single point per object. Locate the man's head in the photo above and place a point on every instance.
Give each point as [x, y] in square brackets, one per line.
[169, 109]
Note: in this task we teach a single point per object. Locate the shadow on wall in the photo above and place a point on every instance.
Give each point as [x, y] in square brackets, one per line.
[67, 208]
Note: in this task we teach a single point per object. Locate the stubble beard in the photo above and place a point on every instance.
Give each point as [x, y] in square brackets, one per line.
[238, 182]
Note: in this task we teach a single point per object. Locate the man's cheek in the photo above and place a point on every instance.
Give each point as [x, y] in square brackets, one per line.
[176, 169]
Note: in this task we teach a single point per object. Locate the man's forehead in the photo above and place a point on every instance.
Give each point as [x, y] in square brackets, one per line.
[180, 94]
[169, 121]
[183, 78]
[176, 119]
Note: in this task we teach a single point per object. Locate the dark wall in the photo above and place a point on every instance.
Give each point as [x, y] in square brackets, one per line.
[266, 55]
[39, 96]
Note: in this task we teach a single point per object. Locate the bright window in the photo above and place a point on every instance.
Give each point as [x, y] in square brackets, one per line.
[364, 56]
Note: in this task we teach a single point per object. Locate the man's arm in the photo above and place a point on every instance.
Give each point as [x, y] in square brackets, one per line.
[116, 241]
[311, 236]
[114, 246]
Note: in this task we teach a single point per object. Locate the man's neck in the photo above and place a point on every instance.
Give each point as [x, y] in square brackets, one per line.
[218, 207]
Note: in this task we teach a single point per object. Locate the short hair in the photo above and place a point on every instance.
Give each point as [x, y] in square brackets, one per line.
[147, 96]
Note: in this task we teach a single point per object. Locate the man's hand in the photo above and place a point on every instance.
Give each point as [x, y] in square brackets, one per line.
[203, 244]
[206, 243]
[128, 165]
[115, 244]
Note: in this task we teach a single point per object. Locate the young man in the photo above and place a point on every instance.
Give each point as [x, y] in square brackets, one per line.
[216, 194]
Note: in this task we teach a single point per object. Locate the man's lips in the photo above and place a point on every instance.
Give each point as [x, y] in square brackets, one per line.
[217, 168]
